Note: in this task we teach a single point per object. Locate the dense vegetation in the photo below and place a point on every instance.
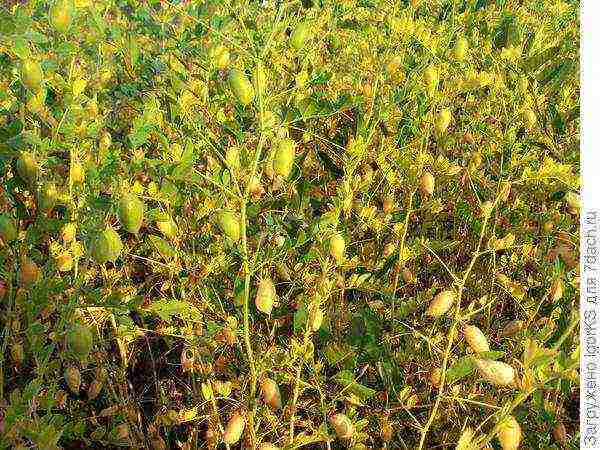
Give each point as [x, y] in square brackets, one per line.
[289, 224]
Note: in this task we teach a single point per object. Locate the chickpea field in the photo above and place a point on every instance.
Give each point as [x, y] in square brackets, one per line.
[289, 224]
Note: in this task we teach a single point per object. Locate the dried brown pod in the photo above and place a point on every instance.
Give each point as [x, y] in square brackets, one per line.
[342, 425]
[270, 392]
[235, 428]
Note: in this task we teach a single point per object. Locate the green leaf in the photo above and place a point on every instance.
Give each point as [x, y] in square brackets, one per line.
[165, 309]
[346, 379]
[463, 368]
[162, 246]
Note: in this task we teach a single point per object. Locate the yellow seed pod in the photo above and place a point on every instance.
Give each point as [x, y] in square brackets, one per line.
[270, 392]
[315, 318]
[441, 303]
[284, 157]
[509, 434]
[64, 261]
[461, 47]
[67, 233]
[235, 428]
[529, 118]
[32, 74]
[77, 173]
[504, 243]
[495, 372]
[220, 56]
[73, 378]
[265, 296]
[442, 121]
[556, 290]
[573, 201]
[504, 191]
[427, 184]
[394, 65]
[232, 157]
[435, 377]
[241, 87]
[267, 446]
[337, 248]
[342, 425]
[476, 339]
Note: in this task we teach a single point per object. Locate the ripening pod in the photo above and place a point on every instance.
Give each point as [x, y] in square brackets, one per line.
[389, 249]
[386, 428]
[270, 392]
[486, 208]
[408, 276]
[509, 434]
[476, 339]
[431, 77]
[496, 372]
[27, 168]
[64, 261]
[556, 290]
[105, 140]
[67, 233]
[284, 157]
[241, 87]
[388, 204]
[441, 303]
[529, 118]
[230, 224]
[107, 246]
[342, 425]
[504, 191]
[255, 187]
[560, 433]
[435, 377]
[504, 243]
[267, 446]
[442, 121]
[573, 202]
[73, 379]
[80, 341]
[337, 248]
[232, 157]
[17, 354]
[47, 197]
[394, 65]
[8, 228]
[427, 184]
[29, 273]
[220, 56]
[300, 35]
[460, 48]
[315, 318]
[512, 328]
[167, 226]
[131, 212]
[32, 75]
[60, 15]
[235, 428]
[265, 296]
[77, 172]
[94, 389]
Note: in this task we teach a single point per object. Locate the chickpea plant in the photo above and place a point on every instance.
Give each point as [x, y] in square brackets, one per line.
[289, 224]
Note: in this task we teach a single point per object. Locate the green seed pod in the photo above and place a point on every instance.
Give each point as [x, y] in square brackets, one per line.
[73, 379]
[27, 168]
[47, 197]
[337, 248]
[460, 48]
[230, 224]
[60, 15]
[80, 341]
[8, 228]
[284, 157]
[300, 35]
[107, 246]
[271, 394]
[131, 212]
[167, 226]
[241, 87]
[32, 75]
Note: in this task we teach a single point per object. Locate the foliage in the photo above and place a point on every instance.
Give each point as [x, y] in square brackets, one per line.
[162, 160]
